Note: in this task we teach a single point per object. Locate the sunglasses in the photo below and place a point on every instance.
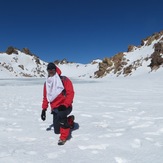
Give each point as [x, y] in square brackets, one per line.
[51, 70]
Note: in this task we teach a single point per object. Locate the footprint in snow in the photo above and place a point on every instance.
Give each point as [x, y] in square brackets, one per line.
[31, 152]
[94, 147]
[144, 125]
[107, 116]
[136, 144]
[13, 129]
[25, 139]
[151, 140]
[56, 154]
[156, 133]
[120, 160]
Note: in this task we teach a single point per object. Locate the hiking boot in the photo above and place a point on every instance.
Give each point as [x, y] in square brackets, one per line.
[61, 142]
[71, 119]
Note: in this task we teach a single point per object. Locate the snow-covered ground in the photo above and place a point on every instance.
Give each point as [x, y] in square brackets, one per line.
[118, 120]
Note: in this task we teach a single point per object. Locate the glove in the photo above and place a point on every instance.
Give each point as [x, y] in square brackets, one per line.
[43, 115]
[62, 108]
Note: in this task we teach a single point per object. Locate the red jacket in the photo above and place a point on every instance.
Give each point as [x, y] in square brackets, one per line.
[62, 98]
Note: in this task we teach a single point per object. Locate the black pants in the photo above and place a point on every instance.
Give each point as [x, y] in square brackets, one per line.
[60, 119]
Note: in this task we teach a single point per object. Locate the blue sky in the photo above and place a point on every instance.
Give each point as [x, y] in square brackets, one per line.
[78, 30]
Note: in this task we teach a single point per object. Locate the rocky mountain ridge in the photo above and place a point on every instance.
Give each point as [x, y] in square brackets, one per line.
[16, 63]
[150, 51]
[147, 58]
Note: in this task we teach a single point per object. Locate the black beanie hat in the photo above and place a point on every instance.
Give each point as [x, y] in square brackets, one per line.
[51, 66]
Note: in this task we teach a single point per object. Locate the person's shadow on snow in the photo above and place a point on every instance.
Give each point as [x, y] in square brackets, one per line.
[51, 127]
[76, 127]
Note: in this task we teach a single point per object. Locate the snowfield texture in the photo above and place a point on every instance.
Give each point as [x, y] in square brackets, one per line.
[118, 120]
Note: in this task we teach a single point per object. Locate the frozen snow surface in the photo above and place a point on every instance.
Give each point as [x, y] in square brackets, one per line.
[118, 120]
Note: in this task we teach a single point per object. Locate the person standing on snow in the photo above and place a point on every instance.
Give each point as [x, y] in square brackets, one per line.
[58, 91]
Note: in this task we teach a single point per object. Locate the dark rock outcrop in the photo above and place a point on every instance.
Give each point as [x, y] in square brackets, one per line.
[11, 50]
[157, 56]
